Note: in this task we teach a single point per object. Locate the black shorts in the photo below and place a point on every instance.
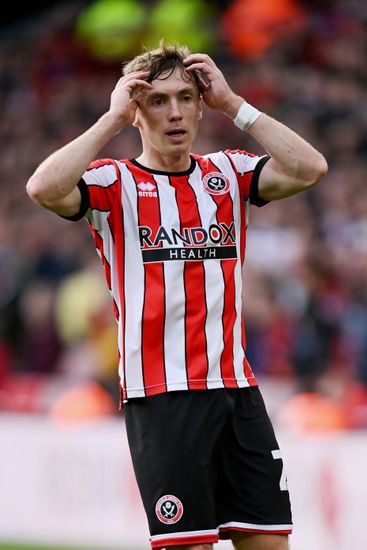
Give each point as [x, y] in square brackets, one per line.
[207, 462]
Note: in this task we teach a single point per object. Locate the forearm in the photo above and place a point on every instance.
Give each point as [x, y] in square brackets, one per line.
[295, 165]
[293, 154]
[57, 176]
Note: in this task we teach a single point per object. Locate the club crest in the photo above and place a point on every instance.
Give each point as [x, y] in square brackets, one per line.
[169, 509]
[216, 183]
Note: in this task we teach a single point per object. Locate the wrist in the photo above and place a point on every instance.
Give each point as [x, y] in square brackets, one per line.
[246, 116]
[114, 120]
[232, 106]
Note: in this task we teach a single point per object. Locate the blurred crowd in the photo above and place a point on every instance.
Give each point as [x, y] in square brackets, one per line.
[305, 302]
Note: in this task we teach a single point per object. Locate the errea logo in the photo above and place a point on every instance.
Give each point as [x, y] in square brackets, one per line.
[146, 189]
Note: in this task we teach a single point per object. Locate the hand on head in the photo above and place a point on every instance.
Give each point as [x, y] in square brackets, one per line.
[212, 83]
[124, 98]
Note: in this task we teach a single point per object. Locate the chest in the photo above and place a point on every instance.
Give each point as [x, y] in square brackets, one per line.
[190, 209]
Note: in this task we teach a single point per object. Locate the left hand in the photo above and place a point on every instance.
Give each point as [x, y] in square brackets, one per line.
[218, 95]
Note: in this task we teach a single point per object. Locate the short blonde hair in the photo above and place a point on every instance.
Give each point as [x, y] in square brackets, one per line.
[164, 59]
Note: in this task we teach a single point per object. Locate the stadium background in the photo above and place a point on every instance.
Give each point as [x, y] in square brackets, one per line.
[306, 275]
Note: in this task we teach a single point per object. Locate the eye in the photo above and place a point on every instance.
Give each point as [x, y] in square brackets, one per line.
[187, 98]
[157, 101]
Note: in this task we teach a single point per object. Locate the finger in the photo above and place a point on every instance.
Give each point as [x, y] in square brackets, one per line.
[203, 81]
[137, 74]
[198, 66]
[136, 86]
[133, 82]
[139, 87]
[201, 67]
[140, 84]
[199, 57]
[129, 79]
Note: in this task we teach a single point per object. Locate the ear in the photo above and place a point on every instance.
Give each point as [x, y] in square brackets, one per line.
[200, 110]
[137, 123]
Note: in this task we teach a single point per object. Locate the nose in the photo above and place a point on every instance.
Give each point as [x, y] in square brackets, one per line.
[174, 111]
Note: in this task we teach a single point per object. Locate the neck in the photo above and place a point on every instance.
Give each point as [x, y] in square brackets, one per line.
[165, 163]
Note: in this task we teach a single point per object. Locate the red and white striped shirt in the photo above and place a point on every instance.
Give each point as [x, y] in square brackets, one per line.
[172, 246]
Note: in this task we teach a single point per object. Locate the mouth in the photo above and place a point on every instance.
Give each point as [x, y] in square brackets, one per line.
[177, 134]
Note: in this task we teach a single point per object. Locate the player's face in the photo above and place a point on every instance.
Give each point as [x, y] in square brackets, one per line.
[168, 115]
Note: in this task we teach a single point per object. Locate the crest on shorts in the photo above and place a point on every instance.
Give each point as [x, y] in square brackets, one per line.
[169, 509]
[216, 183]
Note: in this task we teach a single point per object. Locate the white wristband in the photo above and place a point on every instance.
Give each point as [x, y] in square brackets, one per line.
[247, 114]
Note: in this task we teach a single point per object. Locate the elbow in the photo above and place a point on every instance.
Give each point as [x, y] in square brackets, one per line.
[35, 191]
[319, 170]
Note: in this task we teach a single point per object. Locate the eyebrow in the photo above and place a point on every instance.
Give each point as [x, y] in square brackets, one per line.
[187, 89]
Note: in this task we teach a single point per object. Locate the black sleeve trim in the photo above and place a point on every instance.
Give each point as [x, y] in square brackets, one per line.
[84, 202]
[254, 185]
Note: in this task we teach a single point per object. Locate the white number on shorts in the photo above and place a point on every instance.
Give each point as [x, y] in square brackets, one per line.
[283, 484]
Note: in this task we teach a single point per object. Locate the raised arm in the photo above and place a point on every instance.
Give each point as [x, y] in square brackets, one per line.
[294, 165]
[54, 183]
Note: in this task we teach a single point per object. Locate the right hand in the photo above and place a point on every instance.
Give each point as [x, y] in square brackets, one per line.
[125, 95]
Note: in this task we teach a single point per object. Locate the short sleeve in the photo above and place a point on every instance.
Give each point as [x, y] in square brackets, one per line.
[247, 167]
[97, 186]
[84, 203]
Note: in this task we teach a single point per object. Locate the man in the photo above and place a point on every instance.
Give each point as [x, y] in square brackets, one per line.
[170, 227]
